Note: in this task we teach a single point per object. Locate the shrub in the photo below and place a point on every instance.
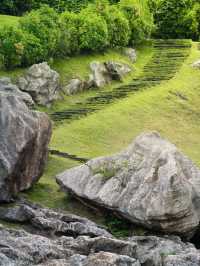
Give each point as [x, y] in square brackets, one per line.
[118, 27]
[11, 47]
[117, 24]
[69, 38]
[93, 32]
[140, 22]
[33, 50]
[174, 19]
[43, 24]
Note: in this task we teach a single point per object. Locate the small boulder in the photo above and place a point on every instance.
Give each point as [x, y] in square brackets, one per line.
[7, 88]
[74, 86]
[24, 138]
[196, 64]
[151, 183]
[42, 83]
[131, 53]
[117, 70]
[100, 75]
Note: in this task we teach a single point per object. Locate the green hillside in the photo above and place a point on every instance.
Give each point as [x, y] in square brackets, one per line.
[8, 20]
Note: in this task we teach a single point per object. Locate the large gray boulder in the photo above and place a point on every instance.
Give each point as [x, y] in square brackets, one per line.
[42, 83]
[151, 183]
[24, 138]
[7, 88]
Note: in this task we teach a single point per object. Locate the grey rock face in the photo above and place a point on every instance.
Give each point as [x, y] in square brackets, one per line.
[7, 88]
[51, 222]
[168, 251]
[131, 53]
[74, 86]
[104, 73]
[24, 138]
[151, 183]
[100, 74]
[21, 248]
[42, 83]
[117, 70]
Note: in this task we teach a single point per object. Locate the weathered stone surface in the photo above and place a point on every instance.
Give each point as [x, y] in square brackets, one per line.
[109, 259]
[117, 70]
[74, 86]
[196, 64]
[168, 251]
[7, 88]
[51, 222]
[99, 74]
[151, 183]
[20, 248]
[24, 138]
[131, 53]
[104, 73]
[42, 83]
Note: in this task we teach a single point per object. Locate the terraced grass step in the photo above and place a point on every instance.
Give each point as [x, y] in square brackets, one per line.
[167, 58]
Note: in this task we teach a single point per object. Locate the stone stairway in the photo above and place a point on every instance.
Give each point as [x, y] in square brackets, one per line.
[168, 56]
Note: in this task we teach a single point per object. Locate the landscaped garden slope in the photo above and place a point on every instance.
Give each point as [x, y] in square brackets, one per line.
[8, 20]
[172, 108]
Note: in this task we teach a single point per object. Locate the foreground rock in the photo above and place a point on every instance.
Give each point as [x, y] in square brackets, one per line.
[24, 138]
[18, 247]
[151, 183]
[21, 248]
[42, 83]
[7, 88]
[168, 251]
[50, 222]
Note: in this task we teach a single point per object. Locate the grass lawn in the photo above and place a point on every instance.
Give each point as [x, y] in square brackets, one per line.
[172, 108]
[8, 20]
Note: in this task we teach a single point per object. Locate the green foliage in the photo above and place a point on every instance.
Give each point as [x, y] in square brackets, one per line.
[45, 34]
[140, 23]
[93, 32]
[175, 19]
[11, 47]
[33, 50]
[105, 171]
[43, 24]
[118, 226]
[118, 27]
[69, 38]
